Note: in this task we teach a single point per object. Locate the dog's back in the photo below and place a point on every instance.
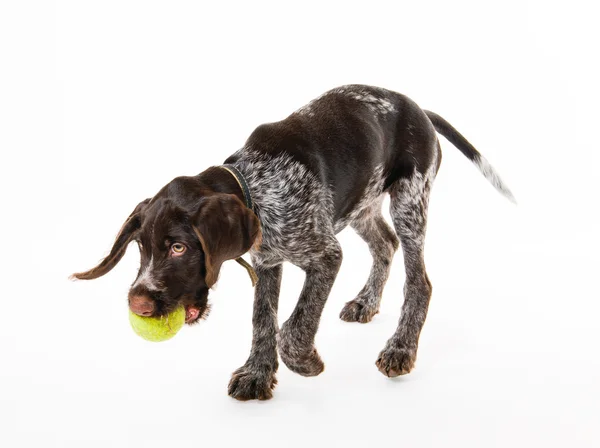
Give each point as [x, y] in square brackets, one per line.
[350, 137]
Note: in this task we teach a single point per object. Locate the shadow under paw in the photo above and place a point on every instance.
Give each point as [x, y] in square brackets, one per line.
[252, 384]
[355, 311]
[393, 361]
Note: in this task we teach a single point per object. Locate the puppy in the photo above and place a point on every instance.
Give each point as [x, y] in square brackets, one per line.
[284, 196]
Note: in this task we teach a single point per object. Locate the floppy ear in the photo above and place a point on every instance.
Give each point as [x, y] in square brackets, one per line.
[125, 236]
[226, 229]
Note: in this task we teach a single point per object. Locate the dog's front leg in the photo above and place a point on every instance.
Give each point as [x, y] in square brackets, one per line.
[256, 378]
[297, 335]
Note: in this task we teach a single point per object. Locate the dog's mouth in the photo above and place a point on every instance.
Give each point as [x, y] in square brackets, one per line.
[192, 314]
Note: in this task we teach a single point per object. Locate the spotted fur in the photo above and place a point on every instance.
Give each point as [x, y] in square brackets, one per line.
[280, 187]
[310, 181]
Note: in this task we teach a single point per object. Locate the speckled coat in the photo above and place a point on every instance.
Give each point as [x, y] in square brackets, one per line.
[325, 167]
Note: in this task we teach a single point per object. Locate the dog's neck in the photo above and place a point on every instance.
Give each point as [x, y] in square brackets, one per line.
[219, 180]
[241, 180]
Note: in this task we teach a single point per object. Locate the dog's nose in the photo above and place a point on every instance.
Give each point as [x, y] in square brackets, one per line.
[141, 305]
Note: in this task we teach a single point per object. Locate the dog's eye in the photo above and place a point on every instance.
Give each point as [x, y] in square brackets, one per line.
[177, 249]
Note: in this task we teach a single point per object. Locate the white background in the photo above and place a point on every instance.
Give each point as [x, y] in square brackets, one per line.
[102, 103]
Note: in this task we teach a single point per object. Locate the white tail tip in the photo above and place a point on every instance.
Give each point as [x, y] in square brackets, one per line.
[490, 174]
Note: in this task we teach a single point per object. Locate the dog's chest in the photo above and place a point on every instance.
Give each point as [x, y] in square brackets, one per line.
[294, 231]
[294, 207]
[298, 224]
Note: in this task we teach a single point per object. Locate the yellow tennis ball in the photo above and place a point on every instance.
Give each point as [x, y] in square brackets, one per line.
[157, 329]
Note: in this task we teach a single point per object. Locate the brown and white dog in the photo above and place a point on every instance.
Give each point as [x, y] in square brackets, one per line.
[284, 196]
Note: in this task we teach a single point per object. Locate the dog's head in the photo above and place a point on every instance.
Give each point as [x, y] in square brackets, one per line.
[184, 235]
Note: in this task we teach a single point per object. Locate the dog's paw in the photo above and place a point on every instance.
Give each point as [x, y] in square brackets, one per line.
[394, 361]
[358, 311]
[248, 383]
[307, 364]
[297, 357]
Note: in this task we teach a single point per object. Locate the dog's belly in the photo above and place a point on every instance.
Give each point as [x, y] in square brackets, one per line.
[369, 200]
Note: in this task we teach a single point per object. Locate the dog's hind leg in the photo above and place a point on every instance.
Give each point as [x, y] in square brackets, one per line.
[408, 207]
[383, 243]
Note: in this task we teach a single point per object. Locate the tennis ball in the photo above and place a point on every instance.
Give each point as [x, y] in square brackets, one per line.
[157, 329]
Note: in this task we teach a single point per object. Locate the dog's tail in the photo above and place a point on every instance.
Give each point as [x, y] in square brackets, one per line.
[456, 138]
